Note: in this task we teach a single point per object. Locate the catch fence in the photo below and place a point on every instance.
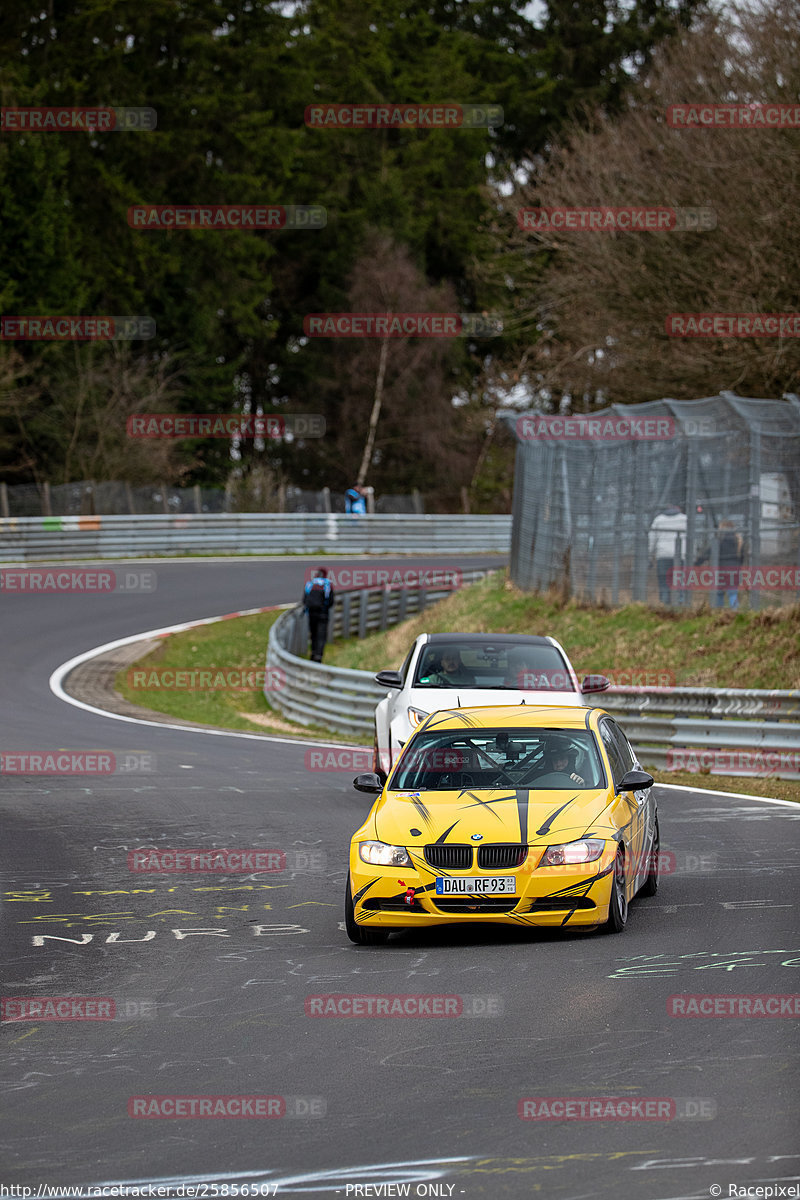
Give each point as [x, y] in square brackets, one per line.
[669, 502]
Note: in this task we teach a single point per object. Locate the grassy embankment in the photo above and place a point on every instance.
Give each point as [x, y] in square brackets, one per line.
[236, 644]
[704, 648]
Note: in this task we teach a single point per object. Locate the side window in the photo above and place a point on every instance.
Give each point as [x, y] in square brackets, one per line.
[626, 753]
[612, 750]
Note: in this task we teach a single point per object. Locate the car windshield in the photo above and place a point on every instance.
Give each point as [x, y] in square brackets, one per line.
[509, 666]
[539, 759]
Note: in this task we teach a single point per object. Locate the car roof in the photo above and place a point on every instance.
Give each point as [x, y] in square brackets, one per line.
[517, 716]
[490, 639]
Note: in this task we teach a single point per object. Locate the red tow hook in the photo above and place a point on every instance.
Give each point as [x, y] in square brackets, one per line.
[409, 896]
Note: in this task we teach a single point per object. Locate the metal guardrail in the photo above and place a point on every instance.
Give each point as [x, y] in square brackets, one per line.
[731, 731]
[335, 697]
[24, 539]
[727, 730]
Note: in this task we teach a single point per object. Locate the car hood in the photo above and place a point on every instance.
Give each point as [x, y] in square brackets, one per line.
[503, 815]
[432, 700]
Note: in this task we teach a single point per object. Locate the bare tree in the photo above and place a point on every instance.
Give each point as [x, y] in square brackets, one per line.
[73, 423]
[600, 312]
[399, 390]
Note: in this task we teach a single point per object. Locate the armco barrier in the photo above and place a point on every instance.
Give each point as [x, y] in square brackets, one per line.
[26, 539]
[334, 697]
[661, 723]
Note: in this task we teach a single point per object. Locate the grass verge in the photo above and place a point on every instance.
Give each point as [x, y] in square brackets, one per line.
[773, 789]
[236, 644]
[704, 648]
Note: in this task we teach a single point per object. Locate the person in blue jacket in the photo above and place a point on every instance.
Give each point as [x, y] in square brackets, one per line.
[355, 499]
[317, 603]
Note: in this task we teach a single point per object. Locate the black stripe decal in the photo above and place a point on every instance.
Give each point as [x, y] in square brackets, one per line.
[546, 827]
[523, 797]
[422, 810]
[441, 839]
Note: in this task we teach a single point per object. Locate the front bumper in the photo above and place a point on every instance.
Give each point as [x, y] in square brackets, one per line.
[577, 895]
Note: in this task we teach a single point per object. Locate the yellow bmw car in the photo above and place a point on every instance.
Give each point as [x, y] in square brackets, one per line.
[525, 816]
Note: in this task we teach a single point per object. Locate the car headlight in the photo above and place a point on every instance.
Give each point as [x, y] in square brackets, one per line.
[586, 850]
[381, 854]
[416, 716]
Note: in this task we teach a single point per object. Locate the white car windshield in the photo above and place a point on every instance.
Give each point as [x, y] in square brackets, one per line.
[538, 759]
[503, 666]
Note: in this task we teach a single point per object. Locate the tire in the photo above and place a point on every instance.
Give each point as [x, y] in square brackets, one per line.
[376, 761]
[357, 933]
[618, 904]
[650, 885]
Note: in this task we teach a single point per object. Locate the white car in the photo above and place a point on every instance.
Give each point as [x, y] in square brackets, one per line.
[467, 670]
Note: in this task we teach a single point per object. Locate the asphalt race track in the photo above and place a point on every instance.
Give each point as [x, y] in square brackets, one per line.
[210, 974]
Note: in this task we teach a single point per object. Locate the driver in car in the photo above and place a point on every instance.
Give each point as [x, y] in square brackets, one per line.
[560, 760]
[451, 671]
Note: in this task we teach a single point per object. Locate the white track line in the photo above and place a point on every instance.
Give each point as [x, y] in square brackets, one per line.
[684, 787]
[60, 673]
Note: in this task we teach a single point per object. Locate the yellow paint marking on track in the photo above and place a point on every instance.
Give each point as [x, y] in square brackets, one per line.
[24, 1035]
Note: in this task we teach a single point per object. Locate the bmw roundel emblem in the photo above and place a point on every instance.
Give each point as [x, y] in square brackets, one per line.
[477, 837]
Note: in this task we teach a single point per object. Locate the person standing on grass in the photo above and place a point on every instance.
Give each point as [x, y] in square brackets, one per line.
[318, 600]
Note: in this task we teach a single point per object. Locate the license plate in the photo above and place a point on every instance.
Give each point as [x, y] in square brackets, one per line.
[475, 884]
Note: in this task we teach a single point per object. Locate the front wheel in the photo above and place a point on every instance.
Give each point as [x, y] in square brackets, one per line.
[650, 885]
[618, 905]
[357, 933]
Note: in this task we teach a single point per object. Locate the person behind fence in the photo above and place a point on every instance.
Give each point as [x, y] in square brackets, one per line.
[666, 543]
[355, 499]
[318, 600]
[731, 557]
